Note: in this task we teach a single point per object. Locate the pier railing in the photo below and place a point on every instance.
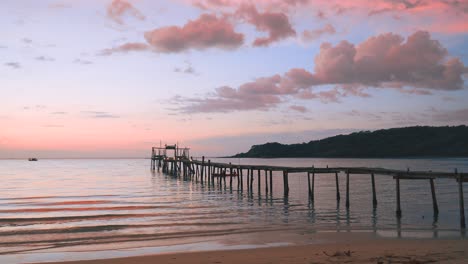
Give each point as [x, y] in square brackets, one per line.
[207, 172]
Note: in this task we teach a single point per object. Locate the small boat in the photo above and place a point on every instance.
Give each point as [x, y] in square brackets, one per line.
[32, 159]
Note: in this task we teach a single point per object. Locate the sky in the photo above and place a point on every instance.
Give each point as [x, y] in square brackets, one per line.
[112, 78]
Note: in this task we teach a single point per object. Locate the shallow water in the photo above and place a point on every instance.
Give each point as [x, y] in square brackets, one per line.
[54, 205]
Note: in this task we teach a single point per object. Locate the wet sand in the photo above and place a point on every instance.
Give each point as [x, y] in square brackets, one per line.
[347, 250]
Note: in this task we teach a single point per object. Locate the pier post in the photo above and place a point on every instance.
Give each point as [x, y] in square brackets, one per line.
[286, 183]
[313, 184]
[238, 178]
[241, 179]
[259, 181]
[434, 198]
[347, 189]
[337, 187]
[308, 185]
[202, 168]
[230, 175]
[248, 180]
[461, 201]
[208, 174]
[374, 196]
[251, 180]
[271, 181]
[152, 159]
[398, 210]
[266, 181]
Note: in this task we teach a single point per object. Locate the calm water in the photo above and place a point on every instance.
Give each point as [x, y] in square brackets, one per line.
[83, 205]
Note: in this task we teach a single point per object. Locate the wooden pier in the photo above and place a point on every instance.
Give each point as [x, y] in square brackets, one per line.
[213, 173]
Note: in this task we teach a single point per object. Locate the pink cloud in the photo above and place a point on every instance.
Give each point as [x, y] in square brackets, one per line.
[276, 24]
[127, 47]
[298, 108]
[420, 62]
[445, 16]
[119, 8]
[415, 66]
[208, 31]
[311, 35]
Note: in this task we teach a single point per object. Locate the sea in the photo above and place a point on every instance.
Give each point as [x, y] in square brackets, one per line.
[77, 209]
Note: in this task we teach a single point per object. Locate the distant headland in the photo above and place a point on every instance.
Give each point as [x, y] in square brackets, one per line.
[417, 141]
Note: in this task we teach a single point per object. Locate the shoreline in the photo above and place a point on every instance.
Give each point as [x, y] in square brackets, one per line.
[276, 247]
[349, 249]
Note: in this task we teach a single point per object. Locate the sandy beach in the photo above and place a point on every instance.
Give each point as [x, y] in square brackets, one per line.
[346, 251]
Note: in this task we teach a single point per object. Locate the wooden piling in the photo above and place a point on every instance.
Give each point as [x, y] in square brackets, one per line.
[434, 199]
[313, 185]
[308, 185]
[259, 181]
[374, 195]
[285, 183]
[248, 180]
[230, 177]
[347, 189]
[398, 210]
[266, 181]
[337, 187]
[241, 179]
[461, 201]
[210, 180]
[202, 169]
[271, 181]
[251, 180]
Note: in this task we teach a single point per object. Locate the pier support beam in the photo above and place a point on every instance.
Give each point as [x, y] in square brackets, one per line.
[347, 189]
[266, 182]
[434, 198]
[374, 195]
[271, 181]
[251, 180]
[308, 186]
[259, 182]
[241, 179]
[286, 183]
[230, 177]
[337, 187]
[398, 210]
[461, 201]
[313, 186]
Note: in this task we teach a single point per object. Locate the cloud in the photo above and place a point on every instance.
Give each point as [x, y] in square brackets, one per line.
[99, 114]
[276, 24]
[460, 115]
[187, 70]
[44, 58]
[298, 108]
[208, 31]
[37, 107]
[415, 66]
[312, 35]
[267, 4]
[82, 62]
[420, 14]
[125, 48]
[14, 65]
[60, 5]
[27, 40]
[119, 8]
[386, 60]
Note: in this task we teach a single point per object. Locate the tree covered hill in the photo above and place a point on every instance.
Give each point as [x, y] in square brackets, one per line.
[419, 141]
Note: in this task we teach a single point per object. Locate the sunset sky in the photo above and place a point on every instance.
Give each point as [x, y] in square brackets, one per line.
[103, 78]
